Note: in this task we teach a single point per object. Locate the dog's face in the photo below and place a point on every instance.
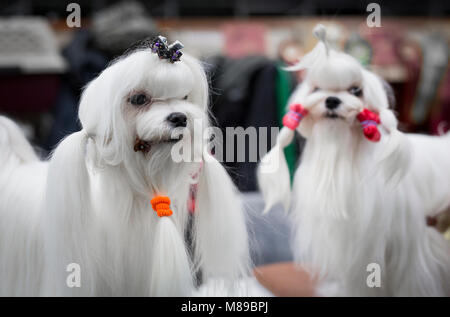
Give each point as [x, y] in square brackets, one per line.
[163, 104]
[336, 89]
[141, 98]
[163, 101]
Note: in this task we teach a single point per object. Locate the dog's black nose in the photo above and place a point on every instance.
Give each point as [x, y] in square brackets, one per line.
[332, 102]
[177, 119]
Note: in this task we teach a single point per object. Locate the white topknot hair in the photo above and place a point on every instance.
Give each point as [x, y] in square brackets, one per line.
[321, 34]
[319, 53]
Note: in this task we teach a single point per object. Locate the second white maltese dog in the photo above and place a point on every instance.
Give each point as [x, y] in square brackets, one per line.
[112, 203]
[363, 189]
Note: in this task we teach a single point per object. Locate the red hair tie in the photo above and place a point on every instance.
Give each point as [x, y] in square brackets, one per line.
[369, 121]
[294, 116]
[161, 204]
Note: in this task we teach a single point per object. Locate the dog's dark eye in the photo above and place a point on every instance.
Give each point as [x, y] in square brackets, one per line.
[138, 100]
[316, 89]
[356, 91]
[185, 97]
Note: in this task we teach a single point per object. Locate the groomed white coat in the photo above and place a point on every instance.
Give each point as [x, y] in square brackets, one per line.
[90, 203]
[355, 202]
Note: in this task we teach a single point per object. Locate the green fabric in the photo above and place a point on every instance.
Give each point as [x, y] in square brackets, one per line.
[283, 87]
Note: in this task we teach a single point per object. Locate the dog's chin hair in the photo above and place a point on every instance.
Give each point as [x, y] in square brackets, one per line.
[162, 172]
[328, 168]
[328, 195]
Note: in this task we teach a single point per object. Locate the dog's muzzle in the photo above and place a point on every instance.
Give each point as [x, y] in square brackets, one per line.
[176, 121]
[145, 146]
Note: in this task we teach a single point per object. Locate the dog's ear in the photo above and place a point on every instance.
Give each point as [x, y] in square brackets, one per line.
[299, 95]
[220, 231]
[374, 91]
[396, 157]
[67, 215]
[102, 116]
[273, 173]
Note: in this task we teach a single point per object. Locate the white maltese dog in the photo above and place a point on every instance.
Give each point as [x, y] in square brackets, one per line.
[112, 204]
[363, 190]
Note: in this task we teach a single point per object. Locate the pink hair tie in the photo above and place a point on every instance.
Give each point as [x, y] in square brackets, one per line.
[369, 121]
[294, 116]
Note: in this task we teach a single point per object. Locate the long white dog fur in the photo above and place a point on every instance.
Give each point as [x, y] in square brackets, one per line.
[90, 203]
[355, 202]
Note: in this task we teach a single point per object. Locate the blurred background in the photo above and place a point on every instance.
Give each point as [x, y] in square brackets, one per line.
[44, 63]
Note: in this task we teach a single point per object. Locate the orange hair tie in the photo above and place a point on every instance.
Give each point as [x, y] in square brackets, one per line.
[161, 204]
